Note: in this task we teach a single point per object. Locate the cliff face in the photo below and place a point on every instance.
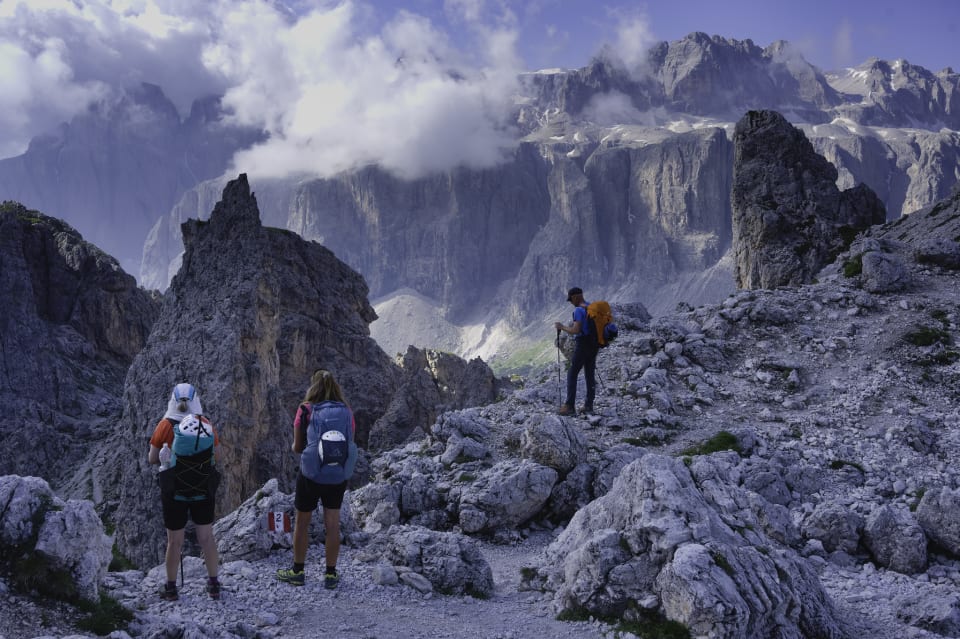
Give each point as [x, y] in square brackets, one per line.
[621, 182]
[789, 217]
[71, 323]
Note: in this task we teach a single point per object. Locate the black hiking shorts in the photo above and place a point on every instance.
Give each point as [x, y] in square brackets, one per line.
[310, 493]
[175, 512]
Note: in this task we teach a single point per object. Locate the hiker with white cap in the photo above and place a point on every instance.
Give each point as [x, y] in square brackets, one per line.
[184, 443]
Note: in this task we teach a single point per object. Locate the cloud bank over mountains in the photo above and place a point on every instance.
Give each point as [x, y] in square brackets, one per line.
[336, 84]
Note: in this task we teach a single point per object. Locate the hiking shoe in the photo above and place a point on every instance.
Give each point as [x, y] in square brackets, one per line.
[213, 589]
[565, 409]
[331, 580]
[169, 593]
[290, 576]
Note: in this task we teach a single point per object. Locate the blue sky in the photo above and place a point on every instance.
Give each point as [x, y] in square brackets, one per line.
[338, 83]
[830, 33]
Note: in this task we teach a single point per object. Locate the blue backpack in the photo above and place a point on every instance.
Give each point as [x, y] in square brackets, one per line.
[330, 453]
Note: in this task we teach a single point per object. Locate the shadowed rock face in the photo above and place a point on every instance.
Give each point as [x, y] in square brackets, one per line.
[251, 314]
[71, 322]
[789, 217]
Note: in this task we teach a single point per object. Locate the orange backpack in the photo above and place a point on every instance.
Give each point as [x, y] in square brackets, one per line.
[601, 322]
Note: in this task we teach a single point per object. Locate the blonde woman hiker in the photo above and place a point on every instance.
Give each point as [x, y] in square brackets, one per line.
[323, 436]
[184, 443]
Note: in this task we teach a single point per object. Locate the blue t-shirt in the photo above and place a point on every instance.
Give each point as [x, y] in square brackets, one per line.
[580, 315]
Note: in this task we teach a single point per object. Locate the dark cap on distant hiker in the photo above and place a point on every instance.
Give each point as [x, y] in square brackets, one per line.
[576, 290]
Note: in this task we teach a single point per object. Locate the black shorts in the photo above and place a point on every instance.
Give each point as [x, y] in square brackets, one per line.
[309, 493]
[175, 512]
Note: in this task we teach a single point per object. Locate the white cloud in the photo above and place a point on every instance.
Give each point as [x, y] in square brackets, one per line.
[333, 97]
[57, 56]
[843, 45]
[335, 84]
[634, 39]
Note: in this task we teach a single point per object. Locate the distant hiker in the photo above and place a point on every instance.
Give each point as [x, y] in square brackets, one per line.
[184, 444]
[584, 354]
[323, 435]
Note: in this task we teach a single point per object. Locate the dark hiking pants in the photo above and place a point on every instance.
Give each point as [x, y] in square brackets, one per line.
[584, 357]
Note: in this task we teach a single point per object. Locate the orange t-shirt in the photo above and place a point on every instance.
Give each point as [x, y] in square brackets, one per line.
[163, 433]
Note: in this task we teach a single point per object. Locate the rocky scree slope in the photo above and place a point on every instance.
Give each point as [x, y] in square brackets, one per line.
[825, 512]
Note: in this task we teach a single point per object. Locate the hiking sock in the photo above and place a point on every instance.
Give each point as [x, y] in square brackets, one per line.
[213, 587]
[297, 567]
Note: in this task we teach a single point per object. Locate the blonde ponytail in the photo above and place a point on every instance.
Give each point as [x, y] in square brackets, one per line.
[323, 387]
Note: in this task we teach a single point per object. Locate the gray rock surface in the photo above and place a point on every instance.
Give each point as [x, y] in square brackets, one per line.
[896, 540]
[451, 563]
[55, 547]
[659, 535]
[789, 218]
[71, 323]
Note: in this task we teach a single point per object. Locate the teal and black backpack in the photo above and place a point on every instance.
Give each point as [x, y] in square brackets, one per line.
[192, 475]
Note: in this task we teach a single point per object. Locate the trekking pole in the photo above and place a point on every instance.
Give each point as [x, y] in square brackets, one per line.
[559, 390]
[181, 567]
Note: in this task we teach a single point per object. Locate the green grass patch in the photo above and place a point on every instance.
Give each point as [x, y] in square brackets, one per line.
[119, 562]
[854, 266]
[941, 316]
[721, 562]
[838, 464]
[574, 614]
[724, 440]
[927, 336]
[524, 360]
[104, 617]
[653, 628]
[647, 625]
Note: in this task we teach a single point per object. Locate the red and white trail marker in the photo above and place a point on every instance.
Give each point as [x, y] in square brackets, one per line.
[278, 522]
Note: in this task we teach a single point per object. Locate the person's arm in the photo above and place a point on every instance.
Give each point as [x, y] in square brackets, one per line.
[300, 430]
[162, 433]
[573, 329]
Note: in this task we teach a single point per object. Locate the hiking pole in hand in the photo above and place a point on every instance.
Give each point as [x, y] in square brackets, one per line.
[559, 390]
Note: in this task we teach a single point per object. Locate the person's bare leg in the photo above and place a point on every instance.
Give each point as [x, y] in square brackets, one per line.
[331, 524]
[209, 546]
[172, 558]
[301, 530]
